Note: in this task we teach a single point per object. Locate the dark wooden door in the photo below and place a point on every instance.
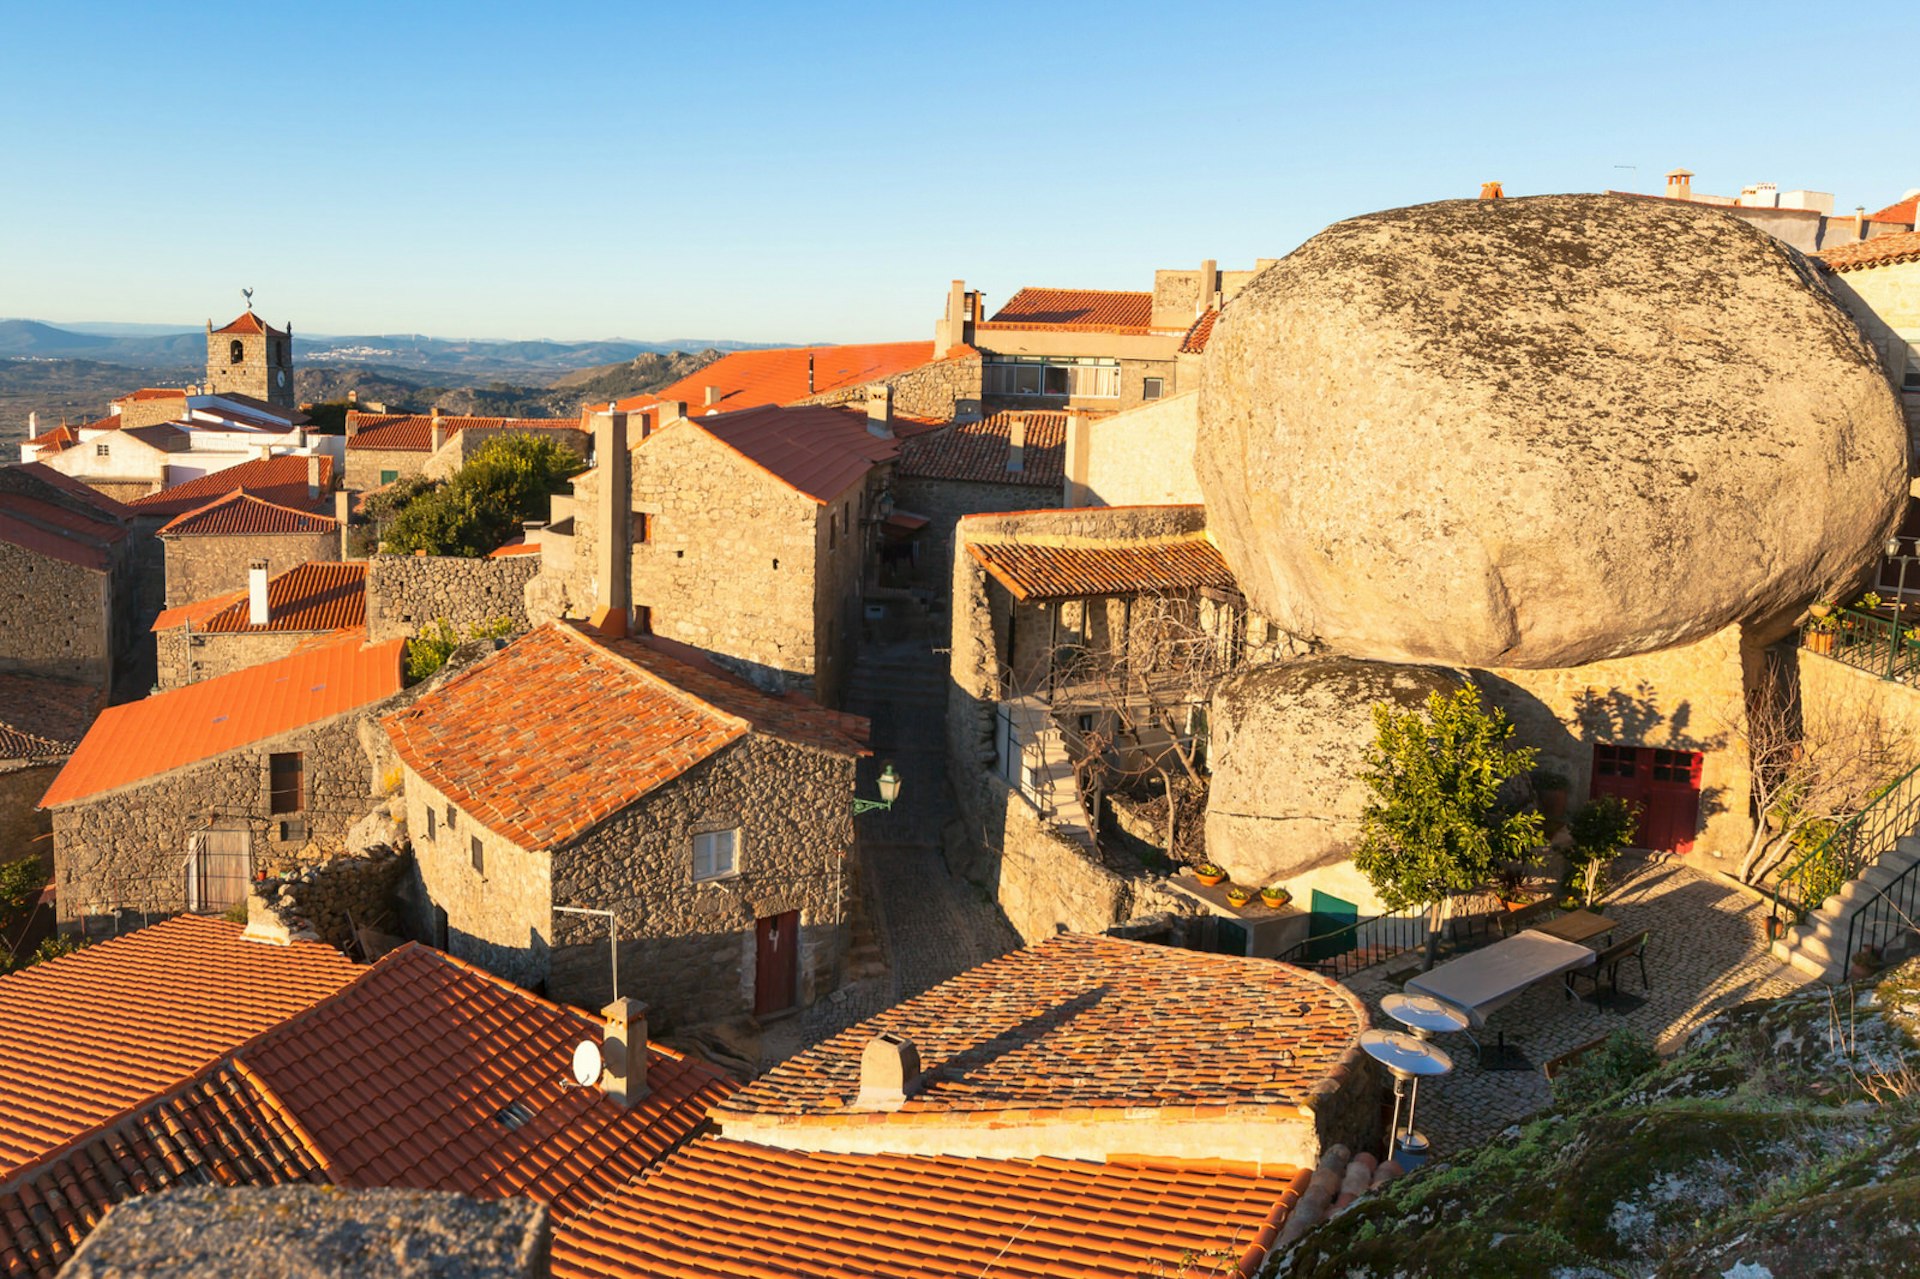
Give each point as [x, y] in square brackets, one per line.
[1666, 786]
[776, 973]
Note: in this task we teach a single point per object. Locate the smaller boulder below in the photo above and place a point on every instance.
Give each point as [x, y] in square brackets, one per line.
[1288, 743]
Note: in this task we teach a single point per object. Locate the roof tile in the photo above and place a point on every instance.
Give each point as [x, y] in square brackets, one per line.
[281, 480]
[1882, 250]
[746, 379]
[241, 514]
[317, 596]
[814, 450]
[413, 432]
[978, 451]
[43, 718]
[1041, 572]
[1076, 310]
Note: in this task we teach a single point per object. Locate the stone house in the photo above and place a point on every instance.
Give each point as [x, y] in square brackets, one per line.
[249, 357]
[268, 619]
[1011, 461]
[68, 556]
[41, 721]
[384, 447]
[301, 482]
[938, 387]
[577, 770]
[176, 801]
[748, 536]
[208, 551]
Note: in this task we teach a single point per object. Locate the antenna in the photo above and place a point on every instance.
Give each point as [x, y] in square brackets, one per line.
[613, 929]
[587, 1063]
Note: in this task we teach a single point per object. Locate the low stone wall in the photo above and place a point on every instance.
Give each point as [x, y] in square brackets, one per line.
[199, 568]
[185, 657]
[942, 389]
[1144, 455]
[24, 831]
[406, 592]
[327, 900]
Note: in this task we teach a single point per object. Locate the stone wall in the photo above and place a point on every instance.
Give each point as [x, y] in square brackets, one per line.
[406, 592]
[942, 389]
[1835, 693]
[364, 466]
[500, 915]
[198, 568]
[24, 831]
[1142, 457]
[185, 656]
[946, 502]
[327, 900]
[56, 618]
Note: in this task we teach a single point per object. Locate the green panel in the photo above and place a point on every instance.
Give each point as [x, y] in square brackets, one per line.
[1325, 914]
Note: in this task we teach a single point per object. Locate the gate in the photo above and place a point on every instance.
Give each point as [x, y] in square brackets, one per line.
[219, 870]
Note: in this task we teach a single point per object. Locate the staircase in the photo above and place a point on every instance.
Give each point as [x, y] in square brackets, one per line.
[1820, 945]
[1048, 780]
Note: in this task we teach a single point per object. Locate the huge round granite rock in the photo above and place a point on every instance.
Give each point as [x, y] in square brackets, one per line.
[1542, 432]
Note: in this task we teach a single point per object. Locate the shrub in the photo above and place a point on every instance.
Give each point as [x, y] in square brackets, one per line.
[1600, 830]
[428, 651]
[508, 479]
[54, 947]
[20, 885]
[1605, 1071]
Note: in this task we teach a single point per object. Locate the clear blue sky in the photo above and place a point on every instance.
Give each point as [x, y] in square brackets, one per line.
[820, 171]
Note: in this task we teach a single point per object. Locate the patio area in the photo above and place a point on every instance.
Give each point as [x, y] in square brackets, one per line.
[1707, 951]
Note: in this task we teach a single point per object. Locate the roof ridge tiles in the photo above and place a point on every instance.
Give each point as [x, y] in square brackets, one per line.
[578, 632]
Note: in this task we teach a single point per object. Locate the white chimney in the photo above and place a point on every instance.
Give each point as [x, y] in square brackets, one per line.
[313, 477]
[880, 410]
[623, 1048]
[257, 613]
[33, 425]
[1017, 444]
[713, 396]
[889, 1068]
[343, 507]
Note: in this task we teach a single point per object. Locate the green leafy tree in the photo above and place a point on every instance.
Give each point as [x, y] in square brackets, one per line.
[1600, 829]
[1434, 825]
[428, 651]
[508, 479]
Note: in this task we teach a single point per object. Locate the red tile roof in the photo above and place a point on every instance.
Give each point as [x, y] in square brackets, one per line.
[413, 432]
[1040, 572]
[43, 718]
[978, 451]
[1882, 250]
[519, 546]
[318, 596]
[59, 532]
[1076, 311]
[726, 1208]
[155, 393]
[249, 323]
[241, 514]
[545, 740]
[746, 379]
[195, 612]
[813, 450]
[281, 480]
[59, 438]
[1903, 210]
[1196, 339]
[108, 508]
[182, 726]
[85, 1037]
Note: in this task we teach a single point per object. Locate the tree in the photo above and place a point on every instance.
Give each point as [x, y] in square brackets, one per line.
[1435, 825]
[508, 479]
[1600, 830]
[428, 651]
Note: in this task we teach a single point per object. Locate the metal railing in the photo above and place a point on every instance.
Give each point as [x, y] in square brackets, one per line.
[1880, 646]
[1344, 951]
[1848, 849]
[1885, 915]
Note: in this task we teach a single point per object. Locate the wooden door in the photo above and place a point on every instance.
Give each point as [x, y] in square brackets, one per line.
[776, 973]
[1664, 783]
[219, 870]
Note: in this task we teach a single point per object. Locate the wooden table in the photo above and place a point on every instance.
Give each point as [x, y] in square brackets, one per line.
[1578, 926]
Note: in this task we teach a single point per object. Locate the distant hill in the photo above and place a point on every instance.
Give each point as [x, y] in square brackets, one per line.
[78, 390]
[637, 376]
[404, 391]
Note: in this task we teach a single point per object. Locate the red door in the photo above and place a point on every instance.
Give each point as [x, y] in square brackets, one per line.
[1666, 786]
[776, 969]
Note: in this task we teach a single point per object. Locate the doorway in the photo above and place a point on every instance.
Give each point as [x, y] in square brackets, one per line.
[776, 970]
[1664, 783]
[219, 870]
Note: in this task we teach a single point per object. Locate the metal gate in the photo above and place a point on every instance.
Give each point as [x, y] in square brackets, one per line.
[218, 870]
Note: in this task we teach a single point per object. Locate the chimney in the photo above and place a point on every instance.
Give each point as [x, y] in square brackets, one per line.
[880, 410]
[1680, 184]
[613, 509]
[1209, 287]
[713, 396]
[1860, 220]
[623, 1047]
[33, 425]
[669, 411]
[439, 431]
[1017, 443]
[313, 477]
[257, 611]
[1075, 491]
[951, 331]
[889, 1068]
[343, 507]
[1492, 191]
[353, 399]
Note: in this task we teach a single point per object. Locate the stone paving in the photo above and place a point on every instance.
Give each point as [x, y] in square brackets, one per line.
[1706, 952]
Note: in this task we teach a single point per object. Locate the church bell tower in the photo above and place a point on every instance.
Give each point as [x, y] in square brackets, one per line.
[251, 357]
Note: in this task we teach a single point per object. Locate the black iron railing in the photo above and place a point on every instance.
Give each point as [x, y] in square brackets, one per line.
[1885, 915]
[1341, 952]
[1880, 646]
[1848, 849]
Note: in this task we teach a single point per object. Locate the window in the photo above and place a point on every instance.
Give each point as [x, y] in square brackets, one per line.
[1082, 378]
[1153, 388]
[236, 351]
[642, 527]
[714, 854]
[285, 783]
[103, 450]
[430, 819]
[479, 854]
[833, 529]
[293, 831]
[1615, 761]
[451, 815]
[388, 477]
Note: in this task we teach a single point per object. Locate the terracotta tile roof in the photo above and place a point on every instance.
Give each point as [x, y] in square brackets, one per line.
[111, 422]
[59, 438]
[1090, 1025]
[182, 726]
[241, 514]
[413, 432]
[281, 480]
[746, 379]
[1196, 339]
[978, 451]
[195, 612]
[43, 718]
[1076, 310]
[726, 1208]
[59, 532]
[155, 393]
[1901, 211]
[401, 1076]
[320, 595]
[1883, 250]
[519, 546]
[90, 1035]
[1038, 572]
[813, 450]
[249, 323]
[564, 728]
[108, 508]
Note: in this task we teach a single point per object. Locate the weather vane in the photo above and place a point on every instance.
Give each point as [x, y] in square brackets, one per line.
[248, 294]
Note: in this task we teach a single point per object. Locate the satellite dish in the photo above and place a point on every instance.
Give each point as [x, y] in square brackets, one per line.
[586, 1063]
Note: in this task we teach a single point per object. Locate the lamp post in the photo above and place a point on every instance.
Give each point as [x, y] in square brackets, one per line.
[889, 791]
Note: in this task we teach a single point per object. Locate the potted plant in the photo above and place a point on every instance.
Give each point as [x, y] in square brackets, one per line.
[1511, 882]
[1550, 790]
[1867, 603]
[1275, 896]
[1209, 874]
[1820, 633]
[1239, 895]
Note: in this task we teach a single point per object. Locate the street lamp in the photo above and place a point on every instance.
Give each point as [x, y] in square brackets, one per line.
[1899, 591]
[889, 791]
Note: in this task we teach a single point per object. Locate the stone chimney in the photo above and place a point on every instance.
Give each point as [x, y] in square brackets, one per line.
[955, 327]
[712, 396]
[1017, 443]
[343, 507]
[1492, 191]
[1680, 184]
[889, 1069]
[669, 411]
[613, 511]
[880, 410]
[1209, 287]
[1075, 491]
[624, 1049]
[439, 431]
[313, 477]
[257, 612]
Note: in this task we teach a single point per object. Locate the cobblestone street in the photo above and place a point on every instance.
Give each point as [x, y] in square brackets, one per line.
[1706, 952]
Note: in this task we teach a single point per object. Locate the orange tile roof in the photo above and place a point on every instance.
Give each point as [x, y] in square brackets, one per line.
[57, 531]
[1883, 250]
[59, 438]
[1090, 1025]
[978, 451]
[746, 379]
[249, 323]
[1196, 340]
[320, 595]
[85, 1037]
[281, 480]
[724, 1208]
[1076, 311]
[155, 393]
[42, 718]
[106, 507]
[195, 612]
[519, 546]
[564, 728]
[1039, 572]
[182, 726]
[241, 514]
[413, 432]
[1899, 211]
[813, 450]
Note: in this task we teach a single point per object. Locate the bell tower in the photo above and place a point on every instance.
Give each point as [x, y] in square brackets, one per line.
[251, 357]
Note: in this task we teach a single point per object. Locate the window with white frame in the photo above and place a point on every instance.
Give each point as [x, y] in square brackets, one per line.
[716, 854]
[1153, 388]
[1085, 377]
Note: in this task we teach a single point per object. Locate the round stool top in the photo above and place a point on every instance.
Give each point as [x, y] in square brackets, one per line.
[1424, 1012]
[1404, 1055]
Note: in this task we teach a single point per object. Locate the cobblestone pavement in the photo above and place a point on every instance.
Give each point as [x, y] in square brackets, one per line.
[1706, 952]
[932, 924]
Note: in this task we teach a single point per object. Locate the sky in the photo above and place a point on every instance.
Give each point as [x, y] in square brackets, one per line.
[819, 172]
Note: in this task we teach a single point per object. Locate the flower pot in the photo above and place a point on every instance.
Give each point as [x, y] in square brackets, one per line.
[1238, 897]
[1820, 642]
[1275, 901]
[1218, 877]
[1776, 928]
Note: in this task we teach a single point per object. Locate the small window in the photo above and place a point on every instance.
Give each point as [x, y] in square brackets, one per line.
[1153, 388]
[479, 854]
[293, 831]
[236, 352]
[642, 527]
[431, 815]
[103, 450]
[714, 854]
[285, 782]
[833, 529]
[388, 477]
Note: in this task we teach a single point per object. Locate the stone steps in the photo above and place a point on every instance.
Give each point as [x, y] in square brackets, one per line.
[1813, 946]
